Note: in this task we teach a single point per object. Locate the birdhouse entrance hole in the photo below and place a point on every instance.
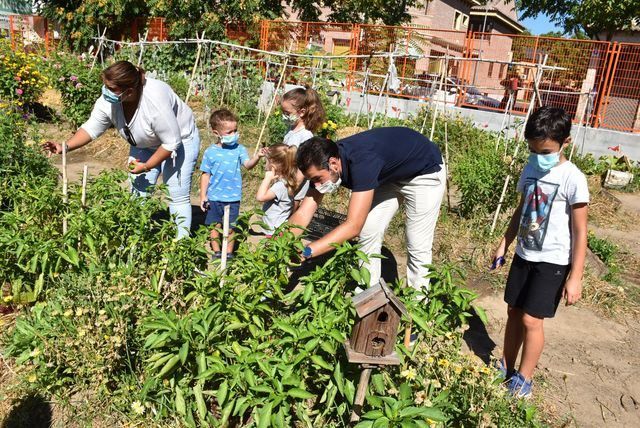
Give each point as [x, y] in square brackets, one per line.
[383, 317]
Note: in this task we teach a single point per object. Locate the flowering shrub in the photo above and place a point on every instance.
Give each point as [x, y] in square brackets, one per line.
[22, 75]
[79, 86]
[328, 130]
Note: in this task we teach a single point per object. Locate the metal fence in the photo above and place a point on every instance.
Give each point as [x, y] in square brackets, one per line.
[597, 83]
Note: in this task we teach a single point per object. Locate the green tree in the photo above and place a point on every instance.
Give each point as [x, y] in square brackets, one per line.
[596, 18]
[389, 12]
[79, 19]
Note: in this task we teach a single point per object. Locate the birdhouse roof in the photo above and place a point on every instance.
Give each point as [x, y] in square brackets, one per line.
[375, 297]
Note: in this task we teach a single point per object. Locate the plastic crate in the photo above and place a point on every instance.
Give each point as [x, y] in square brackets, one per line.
[323, 222]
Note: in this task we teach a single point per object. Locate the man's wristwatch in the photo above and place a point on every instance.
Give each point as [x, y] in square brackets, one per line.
[307, 253]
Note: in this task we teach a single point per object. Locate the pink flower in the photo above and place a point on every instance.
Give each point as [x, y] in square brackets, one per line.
[61, 79]
[78, 85]
[19, 91]
[73, 78]
[18, 78]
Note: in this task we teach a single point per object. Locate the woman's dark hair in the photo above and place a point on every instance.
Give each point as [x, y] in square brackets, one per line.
[124, 75]
[551, 123]
[308, 99]
[316, 152]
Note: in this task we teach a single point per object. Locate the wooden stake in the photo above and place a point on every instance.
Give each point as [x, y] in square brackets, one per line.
[226, 79]
[365, 375]
[195, 66]
[574, 142]
[85, 174]
[273, 101]
[225, 241]
[407, 336]
[65, 184]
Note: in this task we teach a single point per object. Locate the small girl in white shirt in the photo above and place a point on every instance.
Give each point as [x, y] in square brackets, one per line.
[281, 183]
[303, 112]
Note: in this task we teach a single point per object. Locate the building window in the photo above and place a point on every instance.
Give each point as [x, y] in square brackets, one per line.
[502, 70]
[490, 69]
[460, 21]
[426, 6]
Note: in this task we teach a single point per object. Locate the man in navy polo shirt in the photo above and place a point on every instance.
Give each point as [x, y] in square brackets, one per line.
[383, 167]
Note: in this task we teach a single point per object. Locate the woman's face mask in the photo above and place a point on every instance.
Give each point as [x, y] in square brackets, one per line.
[111, 96]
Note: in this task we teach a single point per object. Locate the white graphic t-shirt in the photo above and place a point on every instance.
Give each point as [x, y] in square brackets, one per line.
[544, 233]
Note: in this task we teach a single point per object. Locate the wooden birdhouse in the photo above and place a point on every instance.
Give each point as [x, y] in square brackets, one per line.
[374, 334]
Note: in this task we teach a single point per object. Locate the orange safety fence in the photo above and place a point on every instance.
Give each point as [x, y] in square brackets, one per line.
[506, 67]
[619, 106]
[28, 32]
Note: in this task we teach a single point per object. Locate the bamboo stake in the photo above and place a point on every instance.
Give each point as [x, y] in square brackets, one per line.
[266, 77]
[364, 96]
[146, 34]
[225, 241]
[446, 163]
[273, 101]
[226, 79]
[507, 113]
[99, 50]
[65, 184]
[195, 66]
[580, 125]
[444, 96]
[375, 110]
[504, 190]
[85, 174]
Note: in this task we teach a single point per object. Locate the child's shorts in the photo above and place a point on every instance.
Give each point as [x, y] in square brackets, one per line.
[535, 287]
[215, 213]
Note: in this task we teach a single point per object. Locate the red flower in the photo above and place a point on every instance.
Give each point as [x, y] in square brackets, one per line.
[615, 148]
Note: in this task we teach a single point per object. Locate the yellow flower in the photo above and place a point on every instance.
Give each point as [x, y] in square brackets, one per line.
[68, 313]
[430, 360]
[324, 125]
[79, 312]
[35, 353]
[409, 374]
[444, 363]
[7, 298]
[32, 378]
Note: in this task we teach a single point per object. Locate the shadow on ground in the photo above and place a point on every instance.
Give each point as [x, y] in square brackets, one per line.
[478, 340]
[32, 411]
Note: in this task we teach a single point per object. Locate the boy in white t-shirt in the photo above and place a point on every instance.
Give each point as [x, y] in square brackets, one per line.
[550, 224]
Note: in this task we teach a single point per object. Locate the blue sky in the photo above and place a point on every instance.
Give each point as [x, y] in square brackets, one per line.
[539, 25]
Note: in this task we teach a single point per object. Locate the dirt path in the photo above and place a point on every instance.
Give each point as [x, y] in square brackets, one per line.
[589, 372]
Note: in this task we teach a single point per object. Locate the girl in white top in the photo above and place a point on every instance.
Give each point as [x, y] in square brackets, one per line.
[303, 112]
[281, 182]
[159, 127]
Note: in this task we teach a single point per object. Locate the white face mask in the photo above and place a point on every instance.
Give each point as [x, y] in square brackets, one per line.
[329, 186]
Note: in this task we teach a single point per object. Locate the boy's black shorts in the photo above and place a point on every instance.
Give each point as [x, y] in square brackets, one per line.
[535, 287]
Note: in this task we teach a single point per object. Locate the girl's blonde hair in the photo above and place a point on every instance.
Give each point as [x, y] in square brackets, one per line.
[308, 99]
[283, 157]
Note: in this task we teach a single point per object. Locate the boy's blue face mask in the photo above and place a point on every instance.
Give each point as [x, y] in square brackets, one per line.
[230, 140]
[110, 96]
[544, 163]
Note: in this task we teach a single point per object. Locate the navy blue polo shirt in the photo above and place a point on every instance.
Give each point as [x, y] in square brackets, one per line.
[385, 155]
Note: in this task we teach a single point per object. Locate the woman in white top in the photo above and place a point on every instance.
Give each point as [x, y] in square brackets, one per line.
[159, 127]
